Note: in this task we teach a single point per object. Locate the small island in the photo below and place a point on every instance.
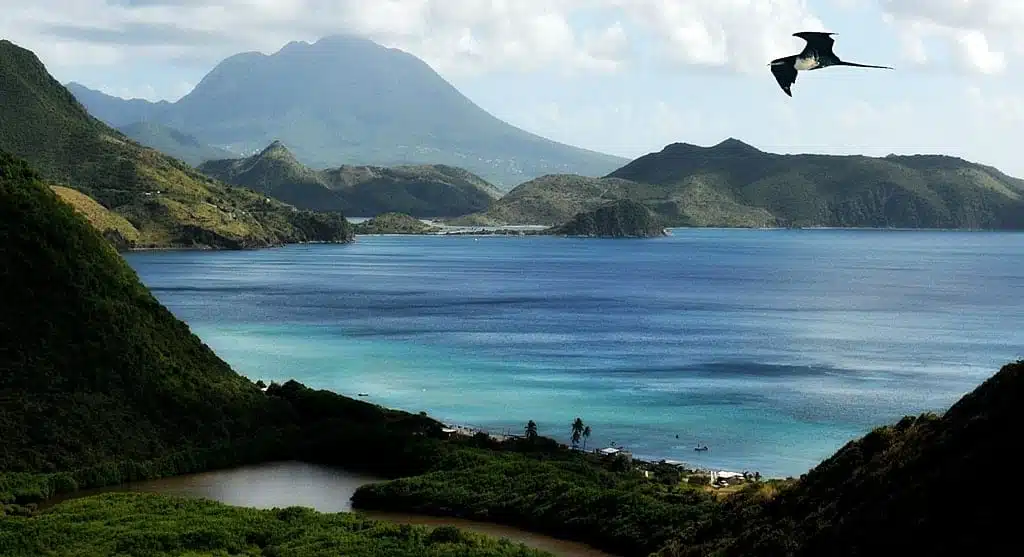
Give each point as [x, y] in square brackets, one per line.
[394, 223]
[619, 219]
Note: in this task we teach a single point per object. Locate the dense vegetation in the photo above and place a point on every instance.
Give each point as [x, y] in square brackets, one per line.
[394, 223]
[618, 219]
[609, 506]
[734, 184]
[98, 380]
[149, 525]
[422, 191]
[172, 142]
[166, 201]
[347, 100]
[928, 485]
[100, 384]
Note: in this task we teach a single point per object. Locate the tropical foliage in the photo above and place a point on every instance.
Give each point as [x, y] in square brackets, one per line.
[159, 526]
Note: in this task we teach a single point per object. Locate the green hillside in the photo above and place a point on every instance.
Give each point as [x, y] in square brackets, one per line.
[733, 184]
[345, 100]
[100, 384]
[394, 223]
[617, 219]
[168, 202]
[172, 142]
[113, 226]
[93, 367]
[923, 486]
[95, 373]
[421, 191]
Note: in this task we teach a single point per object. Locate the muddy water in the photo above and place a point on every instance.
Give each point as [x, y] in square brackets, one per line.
[290, 483]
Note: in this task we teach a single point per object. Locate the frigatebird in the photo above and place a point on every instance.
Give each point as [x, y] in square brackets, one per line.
[816, 55]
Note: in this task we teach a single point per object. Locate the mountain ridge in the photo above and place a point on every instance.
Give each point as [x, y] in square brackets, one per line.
[168, 202]
[361, 104]
[419, 190]
[733, 184]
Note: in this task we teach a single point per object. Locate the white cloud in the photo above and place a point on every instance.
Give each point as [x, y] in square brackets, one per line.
[452, 35]
[983, 35]
[743, 34]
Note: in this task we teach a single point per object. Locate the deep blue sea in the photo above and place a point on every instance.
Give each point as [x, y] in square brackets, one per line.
[771, 347]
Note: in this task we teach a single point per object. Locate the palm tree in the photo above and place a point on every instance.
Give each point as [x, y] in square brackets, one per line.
[531, 431]
[586, 434]
[577, 431]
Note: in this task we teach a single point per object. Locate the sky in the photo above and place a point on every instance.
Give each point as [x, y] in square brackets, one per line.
[617, 76]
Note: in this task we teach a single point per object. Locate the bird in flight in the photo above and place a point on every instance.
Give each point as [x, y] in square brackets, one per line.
[817, 54]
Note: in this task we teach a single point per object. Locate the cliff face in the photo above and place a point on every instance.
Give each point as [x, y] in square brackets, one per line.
[619, 219]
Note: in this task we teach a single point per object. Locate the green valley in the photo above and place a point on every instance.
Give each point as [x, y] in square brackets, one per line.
[168, 203]
[417, 190]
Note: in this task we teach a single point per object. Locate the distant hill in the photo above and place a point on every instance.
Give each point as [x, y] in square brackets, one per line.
[904, 489]
[358, 191]
[554, 199]
[394, 223]
[346, 100]
[168, 202]
[617, 219]
[735, 184]
[171, 142]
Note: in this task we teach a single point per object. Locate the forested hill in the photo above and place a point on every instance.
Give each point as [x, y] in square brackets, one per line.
[169, 203]
[733, 184]
[95, 371]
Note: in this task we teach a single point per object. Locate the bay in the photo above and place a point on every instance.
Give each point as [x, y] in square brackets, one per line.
[771, 347]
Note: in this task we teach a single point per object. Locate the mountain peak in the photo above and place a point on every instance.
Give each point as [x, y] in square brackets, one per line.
[734, 145]
[276, 150]
[348, 100]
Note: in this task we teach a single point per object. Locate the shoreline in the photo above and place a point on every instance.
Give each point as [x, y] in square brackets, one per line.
[714, 473]
[533, 230]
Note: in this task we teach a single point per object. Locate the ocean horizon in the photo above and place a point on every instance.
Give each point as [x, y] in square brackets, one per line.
[772, 347]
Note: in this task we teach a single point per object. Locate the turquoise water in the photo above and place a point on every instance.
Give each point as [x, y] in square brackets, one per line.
[773, 348]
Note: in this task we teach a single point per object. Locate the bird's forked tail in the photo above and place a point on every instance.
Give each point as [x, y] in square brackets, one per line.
[856, 65]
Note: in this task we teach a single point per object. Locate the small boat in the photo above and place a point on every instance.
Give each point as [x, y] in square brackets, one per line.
[363, 394]
[704, 448]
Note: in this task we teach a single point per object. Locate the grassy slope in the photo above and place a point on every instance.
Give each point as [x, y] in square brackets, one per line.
[420, 190]
[734, 184]
[103, 219]
[168, 202]
[159, 526]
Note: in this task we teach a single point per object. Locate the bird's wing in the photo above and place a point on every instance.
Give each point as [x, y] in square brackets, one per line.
[817, 40]
[785, 74]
